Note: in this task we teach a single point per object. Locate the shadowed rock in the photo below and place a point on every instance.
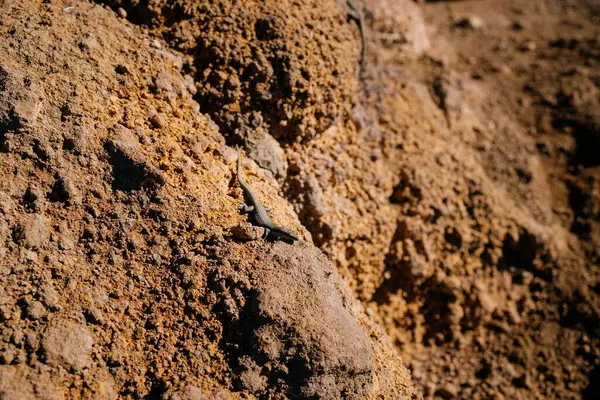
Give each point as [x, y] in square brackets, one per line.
[296, 329]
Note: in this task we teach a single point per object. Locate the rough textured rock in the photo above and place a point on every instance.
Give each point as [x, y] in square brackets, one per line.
[450, 183]
[313, 343]
[20, 382]
[122, 265]
[68, 343]
[33, 232]
[288, 67]
[20, 102]
[400, 26]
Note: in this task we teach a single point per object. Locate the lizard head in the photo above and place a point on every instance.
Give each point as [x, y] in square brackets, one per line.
[284, 234]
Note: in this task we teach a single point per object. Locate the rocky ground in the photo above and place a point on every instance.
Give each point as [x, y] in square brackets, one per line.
[446, 190]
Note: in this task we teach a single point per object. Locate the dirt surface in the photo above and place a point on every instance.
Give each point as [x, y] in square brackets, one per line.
[446, 192]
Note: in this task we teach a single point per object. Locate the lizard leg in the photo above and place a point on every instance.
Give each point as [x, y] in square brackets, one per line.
[244, 208]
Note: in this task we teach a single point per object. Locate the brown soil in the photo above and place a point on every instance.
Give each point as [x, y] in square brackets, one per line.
[447, 196]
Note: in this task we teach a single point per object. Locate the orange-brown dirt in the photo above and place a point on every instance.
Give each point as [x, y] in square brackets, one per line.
[446, 192]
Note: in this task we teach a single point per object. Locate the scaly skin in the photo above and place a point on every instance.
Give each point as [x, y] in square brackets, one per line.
[259, 212]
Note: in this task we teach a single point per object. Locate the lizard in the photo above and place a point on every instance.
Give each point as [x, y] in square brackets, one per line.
[259, 212]
[356, 14]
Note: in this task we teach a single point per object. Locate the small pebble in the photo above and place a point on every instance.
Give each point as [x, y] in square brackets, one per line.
[7, 356]
[158, 120]
[527, 46]
[49, 296]
[68, 343]
[470, 22]
[448, 391]
[94, 316]
[33, 232]
[35, 310]
[245, 232]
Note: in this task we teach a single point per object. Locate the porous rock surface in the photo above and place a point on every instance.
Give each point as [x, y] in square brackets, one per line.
[445, 192]
[121, 273]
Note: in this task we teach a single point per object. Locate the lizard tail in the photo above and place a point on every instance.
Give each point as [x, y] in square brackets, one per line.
[239, 167]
